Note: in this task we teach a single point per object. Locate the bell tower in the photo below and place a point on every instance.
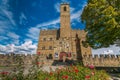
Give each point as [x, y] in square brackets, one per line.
[65, 28]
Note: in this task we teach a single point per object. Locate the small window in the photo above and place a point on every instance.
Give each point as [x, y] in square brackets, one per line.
[50, 47]
[84, 44]
[44, 39]
[60, 42]
[51, 39]
[50, 56]
[65, 9]
[43, 48]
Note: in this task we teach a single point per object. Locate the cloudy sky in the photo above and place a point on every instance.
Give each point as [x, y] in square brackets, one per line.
[21, 21]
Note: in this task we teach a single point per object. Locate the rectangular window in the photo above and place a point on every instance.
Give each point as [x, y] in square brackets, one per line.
[43, 48]
[50, 39]
[60, 42]
[50, 47]
[44, 39]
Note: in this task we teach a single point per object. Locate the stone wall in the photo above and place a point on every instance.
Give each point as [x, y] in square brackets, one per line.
[98, 61]
[102, 60]
[14, 59]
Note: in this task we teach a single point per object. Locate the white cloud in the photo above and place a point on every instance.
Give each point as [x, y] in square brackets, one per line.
[17, 42]
[22, 18]
[57, 7]
[9, 15]
[110, 50]
[26, 47]
[13, 35]
[72, 10]
[3, 38]
[7, 25]
[14, 38]
[7, 22]
[52, 22]
[29, 45]
[33, 33]
[76, 15]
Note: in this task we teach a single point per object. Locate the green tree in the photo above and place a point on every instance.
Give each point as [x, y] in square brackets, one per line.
[102, 20]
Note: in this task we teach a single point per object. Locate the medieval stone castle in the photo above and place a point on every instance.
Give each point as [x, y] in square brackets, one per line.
[63, 43]
[53, 44]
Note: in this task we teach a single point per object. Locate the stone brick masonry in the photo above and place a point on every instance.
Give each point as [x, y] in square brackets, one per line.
[98, 61]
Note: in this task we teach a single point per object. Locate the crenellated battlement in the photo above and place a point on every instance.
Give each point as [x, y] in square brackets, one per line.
[96, 60]
[10, 59]
[65, 3]
[102, 60]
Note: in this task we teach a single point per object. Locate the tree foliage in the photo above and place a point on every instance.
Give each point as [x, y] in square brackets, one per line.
[102, 19]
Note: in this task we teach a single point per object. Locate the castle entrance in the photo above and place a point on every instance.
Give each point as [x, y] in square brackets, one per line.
[62, 55]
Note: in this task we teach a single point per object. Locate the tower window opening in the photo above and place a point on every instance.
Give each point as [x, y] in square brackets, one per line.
[65, 9]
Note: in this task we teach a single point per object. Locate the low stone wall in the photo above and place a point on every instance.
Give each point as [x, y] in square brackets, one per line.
[14, 59]
[102, 60]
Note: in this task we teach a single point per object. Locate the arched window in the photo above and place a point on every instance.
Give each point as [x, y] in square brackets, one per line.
[65, 9]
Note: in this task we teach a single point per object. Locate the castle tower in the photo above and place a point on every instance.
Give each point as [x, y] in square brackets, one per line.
[65, 28]
[54, 42]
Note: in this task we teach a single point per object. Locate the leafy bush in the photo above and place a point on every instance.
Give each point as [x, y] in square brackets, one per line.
[61, 73]
[68, 73]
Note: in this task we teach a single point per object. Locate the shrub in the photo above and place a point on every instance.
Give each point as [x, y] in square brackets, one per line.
[68, 73]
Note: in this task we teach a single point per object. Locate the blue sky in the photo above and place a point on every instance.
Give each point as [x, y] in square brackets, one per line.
[21, 21]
